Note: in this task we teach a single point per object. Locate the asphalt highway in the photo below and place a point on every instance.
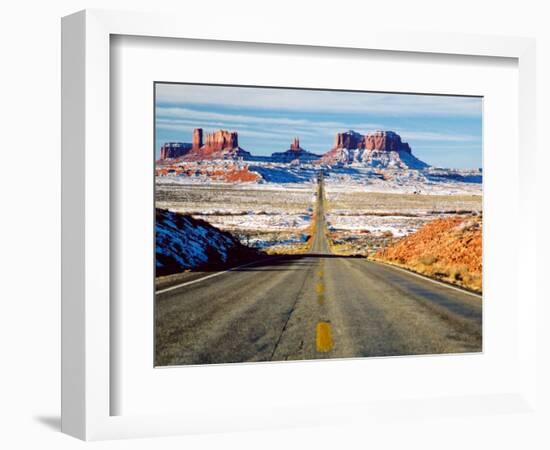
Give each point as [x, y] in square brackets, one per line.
[312, 306]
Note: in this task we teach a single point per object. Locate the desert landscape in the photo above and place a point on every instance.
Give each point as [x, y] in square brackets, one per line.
[348, 224]
[268, 204]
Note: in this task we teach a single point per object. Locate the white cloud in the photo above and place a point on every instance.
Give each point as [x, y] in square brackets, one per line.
[185, 119]
[198, 115]
[319, 101]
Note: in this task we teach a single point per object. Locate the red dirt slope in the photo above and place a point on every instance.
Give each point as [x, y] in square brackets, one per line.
[448, 249]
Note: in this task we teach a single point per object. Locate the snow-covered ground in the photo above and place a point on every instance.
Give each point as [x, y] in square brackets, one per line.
[397, 225]
[361, 200]
[260, 215]
[266, 222]
[284, 173]
[264, 242]
[362, 220]
[356, 176]
[185, 243]
[428, 182]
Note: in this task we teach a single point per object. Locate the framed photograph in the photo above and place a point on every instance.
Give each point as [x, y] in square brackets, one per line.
[285, 255]
[250, 219]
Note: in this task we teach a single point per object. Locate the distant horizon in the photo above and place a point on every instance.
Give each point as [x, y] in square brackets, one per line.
[443, 131]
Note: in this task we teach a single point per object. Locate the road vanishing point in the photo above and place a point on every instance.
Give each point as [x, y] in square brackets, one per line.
[312, 306]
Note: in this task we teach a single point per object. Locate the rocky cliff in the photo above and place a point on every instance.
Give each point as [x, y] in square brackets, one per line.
[197, 138]
[383, 149]
[173, 150]
[348, 139]
[220, 140]
[378, 140]
[295, 144]
[294, 154]
[221, 144]
[386, 141]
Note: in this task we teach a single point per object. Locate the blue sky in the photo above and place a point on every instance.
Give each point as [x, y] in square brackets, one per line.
[443, 131]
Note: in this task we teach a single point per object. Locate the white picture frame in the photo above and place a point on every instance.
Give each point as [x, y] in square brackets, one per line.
[86, 284]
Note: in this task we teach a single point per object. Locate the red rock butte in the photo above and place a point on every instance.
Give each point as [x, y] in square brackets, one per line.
[220, 140]
[295, 144]
[294, 154]
[221, 144]
[197, 138]
[172, 150]
[378, 140]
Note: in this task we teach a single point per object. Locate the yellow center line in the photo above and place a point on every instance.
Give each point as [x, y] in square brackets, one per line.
[323, 339]
[320, 288]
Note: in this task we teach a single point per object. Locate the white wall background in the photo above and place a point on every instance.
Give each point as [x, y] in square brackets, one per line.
[30, 237]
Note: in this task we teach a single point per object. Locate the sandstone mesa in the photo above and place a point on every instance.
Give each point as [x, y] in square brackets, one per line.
[377, 149]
